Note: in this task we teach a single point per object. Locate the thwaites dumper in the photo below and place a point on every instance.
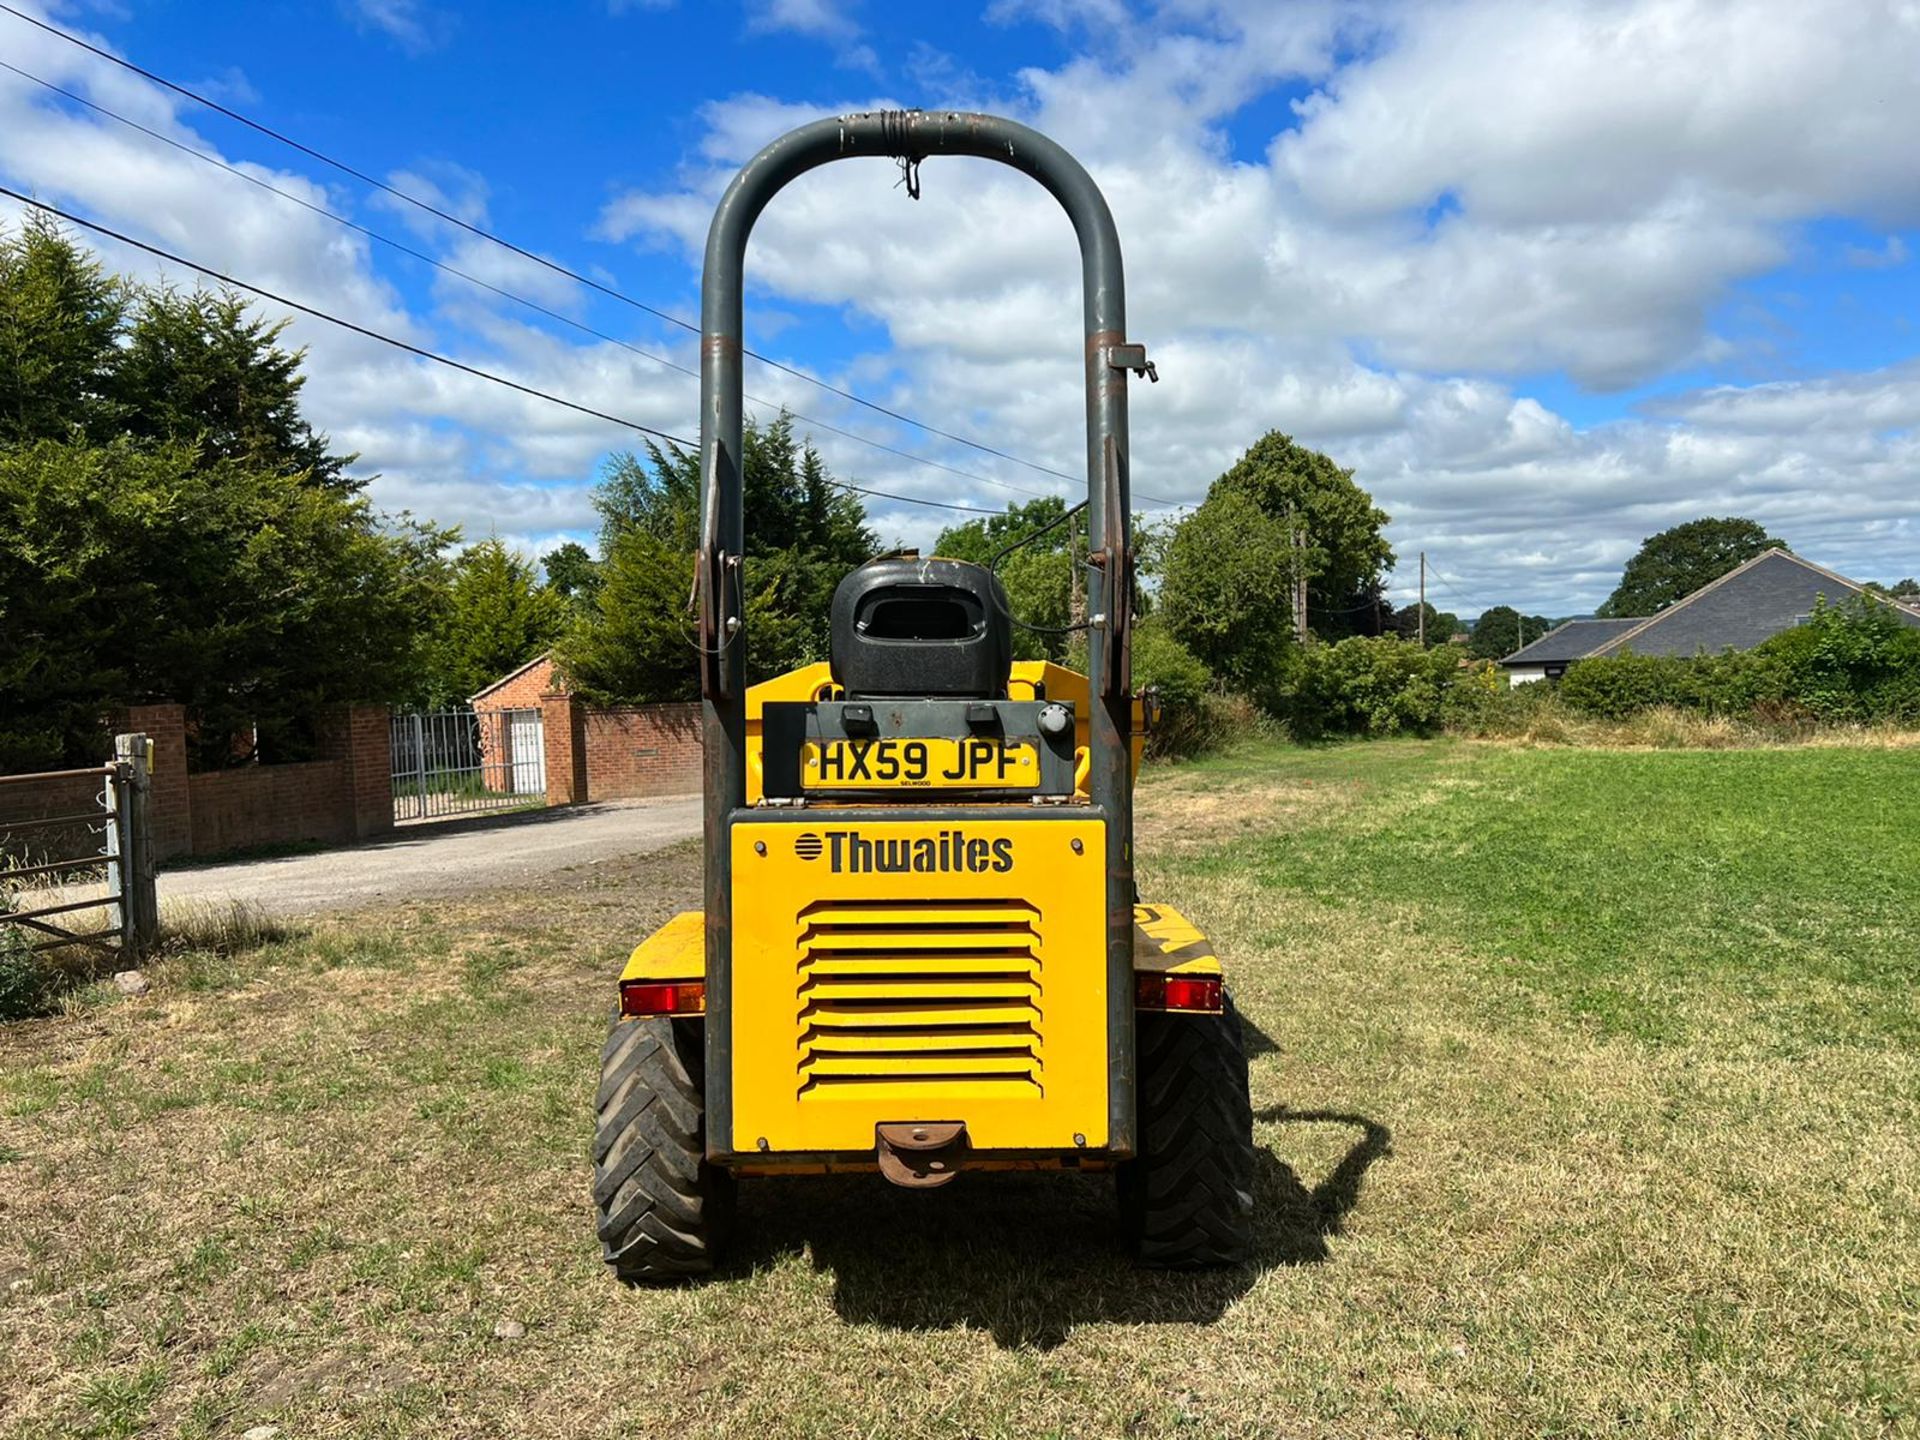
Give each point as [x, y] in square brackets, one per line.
[922, 950]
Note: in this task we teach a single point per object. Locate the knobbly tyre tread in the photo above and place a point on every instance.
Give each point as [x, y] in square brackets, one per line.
[663, 1212]
[1186, 1200]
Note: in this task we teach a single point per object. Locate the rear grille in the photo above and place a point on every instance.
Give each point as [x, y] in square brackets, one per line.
[906, 992]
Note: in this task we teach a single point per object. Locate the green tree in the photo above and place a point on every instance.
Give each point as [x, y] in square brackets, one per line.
[131, 574]
[804, 533]
[1226, 596]
[1281, 510]
[60, 325]
[572, 573]
[1906, 591]
[1673, 564]
[1442, 625]
[637, 643]
[1502, 630]
[171, 529]
[498, 616]
[980, 540]
[1339, 527]
[203, 369]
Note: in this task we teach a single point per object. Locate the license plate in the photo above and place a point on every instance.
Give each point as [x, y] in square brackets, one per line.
[931, 764]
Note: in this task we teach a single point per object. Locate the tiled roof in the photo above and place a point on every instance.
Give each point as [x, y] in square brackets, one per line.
[1772, 592]
[1574, 640]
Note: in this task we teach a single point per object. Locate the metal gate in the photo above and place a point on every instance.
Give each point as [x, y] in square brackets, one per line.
[466, 762]
[60, 866]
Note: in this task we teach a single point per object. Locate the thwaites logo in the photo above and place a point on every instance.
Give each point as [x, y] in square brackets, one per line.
[849, 852]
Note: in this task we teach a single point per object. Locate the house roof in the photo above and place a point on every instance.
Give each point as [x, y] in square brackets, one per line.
[543, 658]
[1575, 640]
[1772, 592]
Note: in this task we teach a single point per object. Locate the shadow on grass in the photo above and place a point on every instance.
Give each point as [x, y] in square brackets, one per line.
[1029, 1257]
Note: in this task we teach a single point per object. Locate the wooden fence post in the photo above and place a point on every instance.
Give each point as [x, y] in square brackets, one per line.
[140, 900]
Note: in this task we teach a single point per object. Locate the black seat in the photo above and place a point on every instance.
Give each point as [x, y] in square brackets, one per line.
[906, 626]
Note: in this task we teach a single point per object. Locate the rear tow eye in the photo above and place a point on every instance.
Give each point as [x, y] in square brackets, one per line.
[920, 1156]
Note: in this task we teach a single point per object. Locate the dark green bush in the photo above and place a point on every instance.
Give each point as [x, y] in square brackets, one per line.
[1194, 718]
[24, 982]
[1857, 662]
[1366, 685]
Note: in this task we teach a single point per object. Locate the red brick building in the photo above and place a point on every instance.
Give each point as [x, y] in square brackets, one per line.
[512, 749]
[590, 753]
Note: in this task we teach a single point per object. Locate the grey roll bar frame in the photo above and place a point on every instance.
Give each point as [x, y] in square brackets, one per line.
[909, 136]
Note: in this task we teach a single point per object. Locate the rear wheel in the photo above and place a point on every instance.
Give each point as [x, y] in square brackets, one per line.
[1187, 1198]
[663, 1211]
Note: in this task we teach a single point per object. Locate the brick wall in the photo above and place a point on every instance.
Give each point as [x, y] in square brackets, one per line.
[346, 795]
[46, 800]
[172, 805]
[361, 740]
[563, 724]
[522, 690]
[253, 805]
[645, 750]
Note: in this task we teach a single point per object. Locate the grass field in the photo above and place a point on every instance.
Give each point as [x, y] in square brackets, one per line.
[1587, 1087]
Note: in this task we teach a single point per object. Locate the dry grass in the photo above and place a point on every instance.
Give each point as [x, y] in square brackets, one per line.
[1665, 727]
[209, 929]
[300, 1185]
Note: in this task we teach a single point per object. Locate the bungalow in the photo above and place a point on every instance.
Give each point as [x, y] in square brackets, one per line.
[1772, 592]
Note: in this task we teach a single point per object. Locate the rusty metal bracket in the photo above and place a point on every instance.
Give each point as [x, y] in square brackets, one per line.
[1116, 566]
[920, 1156]
[1134, 358]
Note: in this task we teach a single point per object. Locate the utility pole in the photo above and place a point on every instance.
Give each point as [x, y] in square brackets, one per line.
[1521, 622]
[1423, 599]
[1077, 604]
[1299, 583]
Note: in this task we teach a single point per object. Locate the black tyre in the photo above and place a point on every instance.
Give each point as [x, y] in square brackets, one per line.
[1187, 1198]
[663, 1211]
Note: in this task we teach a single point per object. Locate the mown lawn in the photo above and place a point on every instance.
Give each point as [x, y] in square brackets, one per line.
[1588, 1097]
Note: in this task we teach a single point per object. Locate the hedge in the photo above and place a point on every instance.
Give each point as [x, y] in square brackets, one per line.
[1859, 661]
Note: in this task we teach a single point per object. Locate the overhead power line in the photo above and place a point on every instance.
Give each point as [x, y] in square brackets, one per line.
[1433, 573]
[432, 355]
[489, 236]
[474, 280]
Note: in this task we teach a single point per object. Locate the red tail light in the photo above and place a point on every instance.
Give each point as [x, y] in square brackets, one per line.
[663, 997]
[1199, 993]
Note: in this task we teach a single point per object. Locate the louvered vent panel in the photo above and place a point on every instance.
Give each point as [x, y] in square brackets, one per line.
[899, 993]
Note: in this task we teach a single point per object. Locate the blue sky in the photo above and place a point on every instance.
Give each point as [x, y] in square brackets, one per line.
[1548, 278]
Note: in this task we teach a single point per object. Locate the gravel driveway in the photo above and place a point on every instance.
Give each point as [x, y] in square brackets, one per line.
[444, 858]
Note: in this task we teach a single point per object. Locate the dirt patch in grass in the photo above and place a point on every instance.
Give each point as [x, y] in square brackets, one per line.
[338, 1184]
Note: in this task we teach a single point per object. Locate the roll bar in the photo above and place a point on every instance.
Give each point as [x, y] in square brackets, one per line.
[910, 136]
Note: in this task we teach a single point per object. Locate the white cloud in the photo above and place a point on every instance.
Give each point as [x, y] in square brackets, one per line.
[412, 25]
[828, 20]
[1489, 189]
[1443, 218]
[1886, 256]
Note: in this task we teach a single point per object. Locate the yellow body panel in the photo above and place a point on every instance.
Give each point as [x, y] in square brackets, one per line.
[969, 985]
[1163, 940]
[1028, 680]
[1166, 941]
[676, 951]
